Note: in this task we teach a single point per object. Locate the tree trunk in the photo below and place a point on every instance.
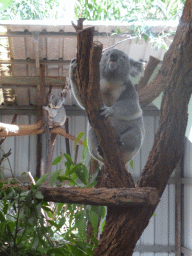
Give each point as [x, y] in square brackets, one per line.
[125, 226]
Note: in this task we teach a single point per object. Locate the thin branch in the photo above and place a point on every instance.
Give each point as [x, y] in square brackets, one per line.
[76, 154]
[67, 139]
[7, 130]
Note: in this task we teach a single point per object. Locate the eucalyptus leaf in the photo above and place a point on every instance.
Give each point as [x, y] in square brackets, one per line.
[41, 180]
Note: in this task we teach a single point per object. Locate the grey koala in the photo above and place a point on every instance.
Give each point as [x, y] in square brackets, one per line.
[121, 103]
[56, 109]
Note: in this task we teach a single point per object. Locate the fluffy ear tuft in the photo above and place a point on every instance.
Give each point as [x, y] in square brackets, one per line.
[135, 67]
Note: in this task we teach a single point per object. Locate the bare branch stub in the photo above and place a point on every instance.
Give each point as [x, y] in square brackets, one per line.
[151, 65]
[79, 25]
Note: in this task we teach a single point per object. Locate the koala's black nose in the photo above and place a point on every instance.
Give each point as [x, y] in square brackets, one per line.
[114, 56]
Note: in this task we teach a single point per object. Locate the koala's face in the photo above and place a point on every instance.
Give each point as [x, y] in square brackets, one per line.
[52, 101]
[115, 64]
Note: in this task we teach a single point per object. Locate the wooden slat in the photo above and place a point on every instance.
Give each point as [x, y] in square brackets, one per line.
[24, 81]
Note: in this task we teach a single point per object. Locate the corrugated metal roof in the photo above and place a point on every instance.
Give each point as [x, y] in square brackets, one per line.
[27, 45]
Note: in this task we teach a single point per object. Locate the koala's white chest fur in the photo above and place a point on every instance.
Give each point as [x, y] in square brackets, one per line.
[111, 90]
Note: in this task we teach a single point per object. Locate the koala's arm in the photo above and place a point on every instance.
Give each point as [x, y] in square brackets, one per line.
[52, 112]
[73, 83]
[126, 107]
[60, 118]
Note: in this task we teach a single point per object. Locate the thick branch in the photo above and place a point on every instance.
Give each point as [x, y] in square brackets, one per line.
[151, 65]
[168, 145]
[88, 74]
[160, 83]
[100, 196]
[124, 227]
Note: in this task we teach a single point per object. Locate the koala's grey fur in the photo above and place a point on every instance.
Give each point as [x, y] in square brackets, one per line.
[56, 110]
[121, 103]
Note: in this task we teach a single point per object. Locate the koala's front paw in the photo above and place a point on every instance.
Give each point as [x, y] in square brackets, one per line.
[106, 111]
[46, 108]
[73, 66]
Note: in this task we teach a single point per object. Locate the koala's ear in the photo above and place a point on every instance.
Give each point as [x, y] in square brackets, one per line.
[135, 67]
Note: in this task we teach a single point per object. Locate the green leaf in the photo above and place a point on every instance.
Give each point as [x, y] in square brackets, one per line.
[61, 222]
[80, 135]
[94, 221]
[92, 184]
[59, 207]
[70, 170]
[32, 220]
[1, 185]
[2, 229]
[94, 240]
[11, 225]
[145, 38]
[69, 159]
[5, 208]
[80, 223]
[2, 218]
[58, 251]
[53, 223]
[39, 195]
[41, 180]
[102, 211]
[77, 251]
[94, 175]
[54, 177]
[131, 164]
[35, 243]
[85, 151]
[4, 4]
[82, 173]
[103, 225]
[57, 160]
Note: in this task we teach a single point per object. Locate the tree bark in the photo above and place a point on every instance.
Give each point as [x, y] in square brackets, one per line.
[9, 130]
[124, 227]
[101, 196]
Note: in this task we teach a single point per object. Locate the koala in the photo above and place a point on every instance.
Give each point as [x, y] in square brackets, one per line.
[56, 110]
[121, 103]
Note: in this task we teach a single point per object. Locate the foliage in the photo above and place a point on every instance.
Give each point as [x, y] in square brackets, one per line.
[135, 12]
[29, 10]
[98, 9]
[30, 226]
[129, 10]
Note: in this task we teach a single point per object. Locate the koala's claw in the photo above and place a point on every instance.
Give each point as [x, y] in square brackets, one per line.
[73, 60]
[73, 63]
[72, 69]
[100, 151]
[46, 107]
[106, 111]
